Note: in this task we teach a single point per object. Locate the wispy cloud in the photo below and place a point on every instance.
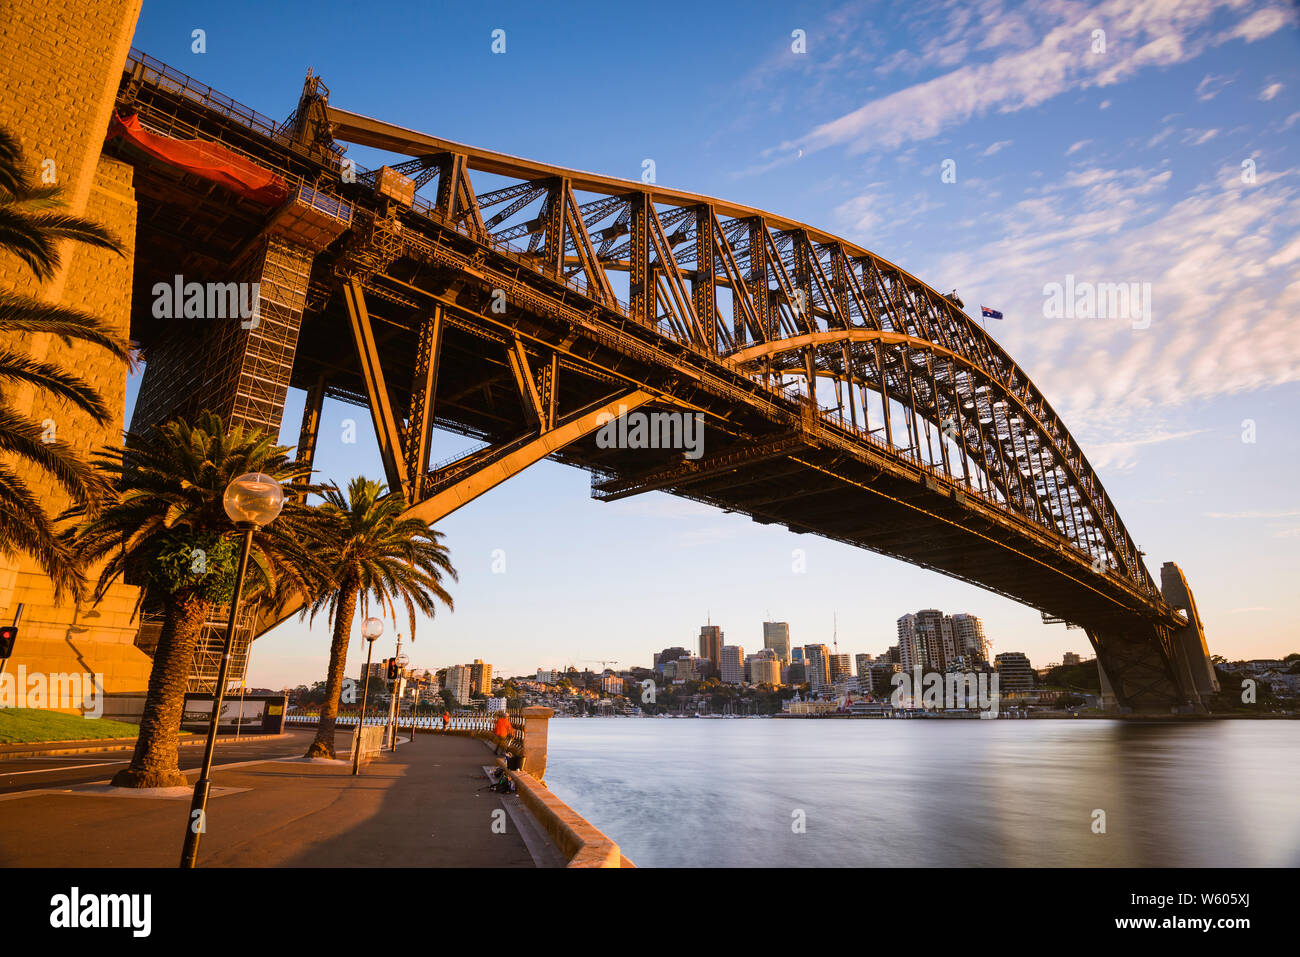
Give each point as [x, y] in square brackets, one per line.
[1157, 33]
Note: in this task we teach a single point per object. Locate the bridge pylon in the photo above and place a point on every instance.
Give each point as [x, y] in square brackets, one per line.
[1161, 669]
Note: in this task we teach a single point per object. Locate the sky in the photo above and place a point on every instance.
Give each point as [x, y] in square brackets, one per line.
[988, 147]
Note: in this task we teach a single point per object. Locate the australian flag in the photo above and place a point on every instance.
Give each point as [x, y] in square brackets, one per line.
[988, 313]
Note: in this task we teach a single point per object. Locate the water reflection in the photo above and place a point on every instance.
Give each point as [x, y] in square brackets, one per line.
[935, 793]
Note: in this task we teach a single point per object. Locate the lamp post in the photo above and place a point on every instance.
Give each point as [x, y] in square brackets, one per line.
[252, 501]
[371, 629]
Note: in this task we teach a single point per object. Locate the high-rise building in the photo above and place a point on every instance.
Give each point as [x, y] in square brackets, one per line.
[732, 665]
[882, 675]
[547, 677]
[818, 658]
[839, 667]
[764, 667]
[669, 654]
[688, 668]
[458, 682]
[935, 629]
[968, 634]
[776, 635]
[711, 643]
[862, 665]
[1070, 658]
[797, 656]
[911, 644]
[480, 677]
[1014, 671]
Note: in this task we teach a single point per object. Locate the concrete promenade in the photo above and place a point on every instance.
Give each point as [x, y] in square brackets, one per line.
[421, 806]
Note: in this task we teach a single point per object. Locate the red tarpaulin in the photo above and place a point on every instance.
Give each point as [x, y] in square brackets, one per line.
[207, 160]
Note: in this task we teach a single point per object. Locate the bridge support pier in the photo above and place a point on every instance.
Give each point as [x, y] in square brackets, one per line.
[1159, 670]
[1192, 665]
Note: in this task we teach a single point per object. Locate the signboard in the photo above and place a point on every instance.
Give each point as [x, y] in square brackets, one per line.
[253, 714]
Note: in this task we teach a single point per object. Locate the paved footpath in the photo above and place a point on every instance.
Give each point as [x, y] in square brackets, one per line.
[421, 806]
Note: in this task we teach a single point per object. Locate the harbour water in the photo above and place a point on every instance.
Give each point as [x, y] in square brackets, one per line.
[876, 793]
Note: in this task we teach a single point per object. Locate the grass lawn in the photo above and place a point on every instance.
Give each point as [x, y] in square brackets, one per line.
[21, 725]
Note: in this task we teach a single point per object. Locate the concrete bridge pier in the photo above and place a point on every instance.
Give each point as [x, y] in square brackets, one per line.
[1192, 666]
[1156, 670]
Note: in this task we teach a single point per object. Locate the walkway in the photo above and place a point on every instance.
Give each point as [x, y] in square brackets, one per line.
[421, 806]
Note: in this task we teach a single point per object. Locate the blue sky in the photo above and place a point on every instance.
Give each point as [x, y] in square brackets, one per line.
[1115, 165]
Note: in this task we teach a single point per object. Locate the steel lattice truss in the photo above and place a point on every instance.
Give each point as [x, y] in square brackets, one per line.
[892, 358]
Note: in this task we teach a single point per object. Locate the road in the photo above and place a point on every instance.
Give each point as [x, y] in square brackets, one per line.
[57, 771]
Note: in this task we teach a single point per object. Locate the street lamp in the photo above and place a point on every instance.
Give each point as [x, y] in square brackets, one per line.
[252, 501]
[371, 629]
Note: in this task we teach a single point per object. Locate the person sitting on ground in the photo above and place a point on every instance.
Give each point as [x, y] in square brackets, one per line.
[503, 730]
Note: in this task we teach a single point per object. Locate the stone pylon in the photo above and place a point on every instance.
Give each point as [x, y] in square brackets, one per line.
[60, 65]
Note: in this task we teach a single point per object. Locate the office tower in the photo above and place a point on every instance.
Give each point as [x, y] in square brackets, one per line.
[732, 666]
[968, 634]
[1014, 671]
[687, 668]
[862, 665]
[818, 658]
[797, 656]
[711, 643]
[839, 667]
[1069, 658]
[764, 667]
[480, 677]
[458, 682]
[667, 655]
[776, 635]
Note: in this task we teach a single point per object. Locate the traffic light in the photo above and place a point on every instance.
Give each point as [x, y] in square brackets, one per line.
[392, 669]
[8, 635]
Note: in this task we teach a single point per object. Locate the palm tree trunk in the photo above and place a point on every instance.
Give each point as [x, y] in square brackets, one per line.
[323, 746]
[154, 764]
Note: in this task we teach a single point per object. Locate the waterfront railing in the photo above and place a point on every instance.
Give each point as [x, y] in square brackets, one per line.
[463, 723]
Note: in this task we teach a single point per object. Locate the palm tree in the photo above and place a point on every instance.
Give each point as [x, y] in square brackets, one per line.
[166, 530]
[373, 553]
[31, 229]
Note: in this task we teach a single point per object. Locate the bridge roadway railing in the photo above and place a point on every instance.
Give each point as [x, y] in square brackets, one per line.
[476, 724]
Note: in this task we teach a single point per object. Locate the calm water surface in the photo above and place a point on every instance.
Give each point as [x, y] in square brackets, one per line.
[879, 793]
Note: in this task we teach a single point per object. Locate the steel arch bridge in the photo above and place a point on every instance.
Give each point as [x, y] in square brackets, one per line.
[526, 305]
